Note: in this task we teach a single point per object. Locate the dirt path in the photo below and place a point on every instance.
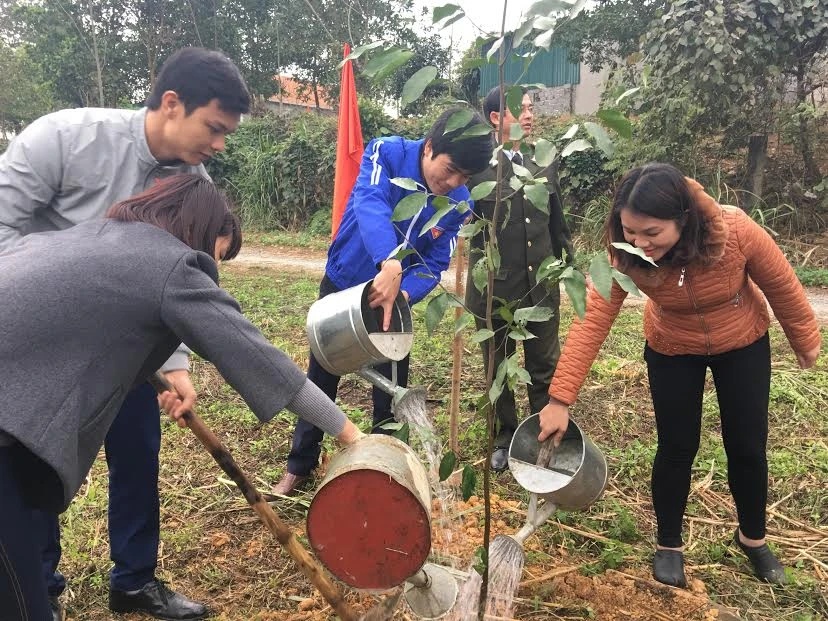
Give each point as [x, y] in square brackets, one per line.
[314, 263]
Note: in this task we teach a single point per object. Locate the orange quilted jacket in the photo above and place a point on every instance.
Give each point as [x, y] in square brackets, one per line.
[701, 308]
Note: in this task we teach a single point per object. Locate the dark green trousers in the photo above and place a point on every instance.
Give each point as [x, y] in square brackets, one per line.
[541, 356]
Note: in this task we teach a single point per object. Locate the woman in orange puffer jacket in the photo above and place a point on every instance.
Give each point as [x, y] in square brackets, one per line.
[705, 309]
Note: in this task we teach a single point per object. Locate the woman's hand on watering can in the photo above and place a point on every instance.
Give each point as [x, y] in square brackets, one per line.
[554, 419]
[350, 434]
[385, 288]
[182, 399]
[807, 359]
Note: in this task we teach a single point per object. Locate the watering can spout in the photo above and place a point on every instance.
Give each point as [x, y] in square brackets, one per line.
[397, 393]
[431, 592]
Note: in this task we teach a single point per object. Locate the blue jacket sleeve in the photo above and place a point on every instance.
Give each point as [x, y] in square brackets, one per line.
[372, 197]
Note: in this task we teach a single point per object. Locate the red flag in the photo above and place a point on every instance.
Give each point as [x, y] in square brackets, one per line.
[349, 145]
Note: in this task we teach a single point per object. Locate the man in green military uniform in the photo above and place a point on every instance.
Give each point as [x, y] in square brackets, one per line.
[526, 236]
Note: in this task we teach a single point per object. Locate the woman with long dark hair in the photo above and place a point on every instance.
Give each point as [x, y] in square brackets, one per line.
[94, 310]
[706, 308]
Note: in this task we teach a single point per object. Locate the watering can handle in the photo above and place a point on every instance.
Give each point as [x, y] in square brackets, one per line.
[545, 454]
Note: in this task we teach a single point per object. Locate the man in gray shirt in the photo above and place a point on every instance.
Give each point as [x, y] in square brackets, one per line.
[69, 167]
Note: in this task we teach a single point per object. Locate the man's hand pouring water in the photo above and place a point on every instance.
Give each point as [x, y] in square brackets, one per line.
[385, 288]
[554, 419]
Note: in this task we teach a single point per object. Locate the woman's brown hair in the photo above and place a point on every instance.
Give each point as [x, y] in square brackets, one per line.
[189, 207]
[658, 191]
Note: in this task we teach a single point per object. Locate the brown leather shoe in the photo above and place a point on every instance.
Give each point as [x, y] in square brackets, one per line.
[289, 484]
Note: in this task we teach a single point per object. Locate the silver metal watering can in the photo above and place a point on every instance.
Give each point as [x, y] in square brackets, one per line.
[346, 336]
[370, 524]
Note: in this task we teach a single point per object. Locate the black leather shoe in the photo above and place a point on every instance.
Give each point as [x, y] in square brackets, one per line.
[668, 568]
[56, 608]
[765, 564]
[156, 599]
[500, 459]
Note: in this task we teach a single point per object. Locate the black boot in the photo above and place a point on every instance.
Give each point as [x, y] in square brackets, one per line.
[156, 599]
[765, 564]
[668, 568]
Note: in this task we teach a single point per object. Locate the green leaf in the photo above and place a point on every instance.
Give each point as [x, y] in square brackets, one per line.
[545, 152]
[441, 12]
[625, 282]
[633, 250]
[432, 222]
[497, 385]
[570, 133]
[575, 145]
[627, 93]
[505, 313]
[403, 433]
[482, 190]
[533, 313]
[519, 334]
[404, 252]
[440, 202]
[406, 183]
[520, 34]
[447, 465]
[479, 129]
[409, 206]
[515, 132]
[359, 51]
[546, 7]
[463, 322]
[514, 101]
[416, 84]
[601, 137]
[469, 482]
[615, 119]
[550, 269]
[384, 64]
[481, 335]
[462, 207]
[575, 285]
[600, 272]
[435, 310]
[454, 18]
[480, 274]
[544, 39]
[458, 119]
[472, 229]
[494, 257]
[495, 47]
[538, 194]
[521, 172]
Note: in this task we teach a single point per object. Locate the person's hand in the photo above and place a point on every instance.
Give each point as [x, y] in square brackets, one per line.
[350, 434]
[554, 419]
[807, 359]
[385, 288]
[176, 402]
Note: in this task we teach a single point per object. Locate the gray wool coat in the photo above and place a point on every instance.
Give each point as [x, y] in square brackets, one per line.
[89, 312]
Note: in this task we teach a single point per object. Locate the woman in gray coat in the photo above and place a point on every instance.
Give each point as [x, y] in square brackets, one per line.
[90, 312]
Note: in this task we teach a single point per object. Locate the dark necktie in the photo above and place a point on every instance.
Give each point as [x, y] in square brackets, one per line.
[517, 158]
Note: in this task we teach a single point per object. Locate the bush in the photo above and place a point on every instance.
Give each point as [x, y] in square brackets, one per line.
[279, 170]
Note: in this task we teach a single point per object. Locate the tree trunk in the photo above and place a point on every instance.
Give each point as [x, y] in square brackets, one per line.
[757, 158]
[97, 56]
[812, 174]
[316, 97]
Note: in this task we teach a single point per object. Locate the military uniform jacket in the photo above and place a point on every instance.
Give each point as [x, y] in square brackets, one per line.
[525, 235]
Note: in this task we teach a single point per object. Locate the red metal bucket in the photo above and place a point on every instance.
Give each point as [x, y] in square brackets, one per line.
[370, 521]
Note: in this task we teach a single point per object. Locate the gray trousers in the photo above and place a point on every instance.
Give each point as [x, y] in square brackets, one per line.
[541, 357]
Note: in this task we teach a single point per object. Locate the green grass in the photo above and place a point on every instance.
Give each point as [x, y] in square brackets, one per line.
[214, 548]
[812, 276]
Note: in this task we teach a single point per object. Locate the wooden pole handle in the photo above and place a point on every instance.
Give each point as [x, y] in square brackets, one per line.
[303, 559]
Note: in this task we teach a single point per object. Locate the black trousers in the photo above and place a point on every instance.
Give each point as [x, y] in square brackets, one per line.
[540, 359]
[307, 439]
[742, 380]
[23, 593]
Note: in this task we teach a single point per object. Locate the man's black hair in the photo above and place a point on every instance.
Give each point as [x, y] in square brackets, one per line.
[470, 154]
[198, 76]
[491, 103]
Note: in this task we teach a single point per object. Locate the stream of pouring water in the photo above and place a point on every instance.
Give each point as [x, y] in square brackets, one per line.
[412, 410]
[506, 560]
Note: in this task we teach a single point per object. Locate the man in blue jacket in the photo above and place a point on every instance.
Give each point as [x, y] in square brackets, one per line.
[368, 242]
